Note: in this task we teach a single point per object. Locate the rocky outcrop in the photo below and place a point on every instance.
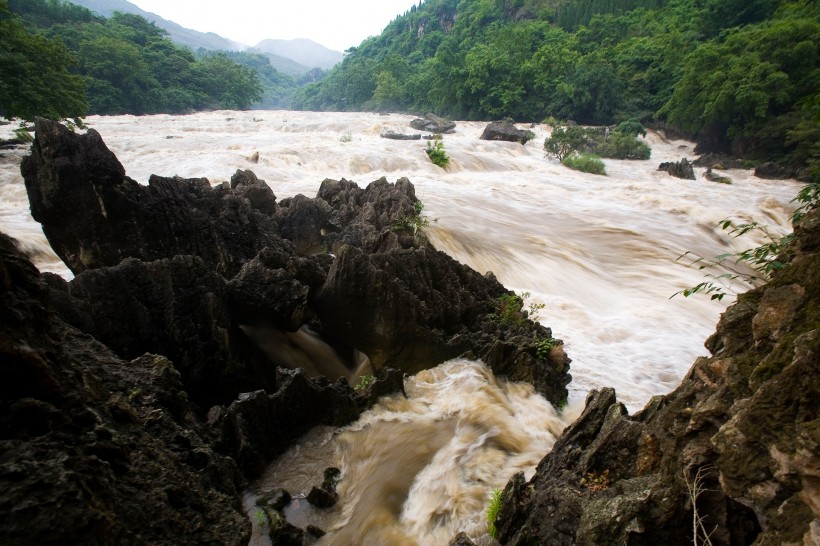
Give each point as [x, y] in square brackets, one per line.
[95, 449]
[507, 131]
[95, 216]
[679, 169]
[433, 124]
[742, 426]
[719, 161]
[772, 171]
[714, 177]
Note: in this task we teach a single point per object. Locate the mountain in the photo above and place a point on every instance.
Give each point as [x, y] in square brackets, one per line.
[303, 51]
[179, 34]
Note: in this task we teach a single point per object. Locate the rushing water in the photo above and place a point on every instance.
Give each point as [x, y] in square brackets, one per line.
[599, 251]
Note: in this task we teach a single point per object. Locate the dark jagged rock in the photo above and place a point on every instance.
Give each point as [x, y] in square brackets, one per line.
[246, 184]
[679, 169]
[94, 216]
[95, 449]
[177, 308]
[400, 136]
[259, 426]
[773, 171]
[743, 422]
[713, 177]
[433, 124]
[507, 131]
[414, 306]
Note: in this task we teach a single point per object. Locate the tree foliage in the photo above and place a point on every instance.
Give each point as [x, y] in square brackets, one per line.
[123, 64]
[34, 74]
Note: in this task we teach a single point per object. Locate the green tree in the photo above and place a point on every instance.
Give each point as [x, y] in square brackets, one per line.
[564, 141]
[34, 74]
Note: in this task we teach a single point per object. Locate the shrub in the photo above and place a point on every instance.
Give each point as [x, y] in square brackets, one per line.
[364, 382]
[437, 154]
[631, 127]
[564, 141]
[414, 223]
[544, 346]
[623, 146]
[586, 163]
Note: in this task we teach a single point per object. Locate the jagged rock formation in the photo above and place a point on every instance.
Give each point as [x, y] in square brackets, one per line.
[95, 449]
[679, 169]
[744, 423]
[265, 275]
[506, 130]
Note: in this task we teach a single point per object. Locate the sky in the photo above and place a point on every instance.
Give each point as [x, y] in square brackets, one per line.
[336, 24]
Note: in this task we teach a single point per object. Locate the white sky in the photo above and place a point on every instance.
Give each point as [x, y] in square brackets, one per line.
[336, 24]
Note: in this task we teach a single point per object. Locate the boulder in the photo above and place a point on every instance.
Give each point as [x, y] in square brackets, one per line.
[719, 161]
[506, 130]
[741, 427]
[433, 124]
[679, 169]
[713, 177]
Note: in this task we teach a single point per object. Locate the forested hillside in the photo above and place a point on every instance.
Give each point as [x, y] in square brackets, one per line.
[740, 75]
[69, 62]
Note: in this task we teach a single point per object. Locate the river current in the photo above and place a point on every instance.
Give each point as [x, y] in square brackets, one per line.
[599, 252]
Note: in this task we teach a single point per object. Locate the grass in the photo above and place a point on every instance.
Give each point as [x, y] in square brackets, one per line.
[437, 154]
[493, 507]
[587, 163]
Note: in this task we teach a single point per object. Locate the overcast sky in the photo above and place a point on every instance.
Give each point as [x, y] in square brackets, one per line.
[337, 24]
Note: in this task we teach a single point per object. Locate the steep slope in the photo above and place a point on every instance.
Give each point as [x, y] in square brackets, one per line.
[179, 34]
[743, 428]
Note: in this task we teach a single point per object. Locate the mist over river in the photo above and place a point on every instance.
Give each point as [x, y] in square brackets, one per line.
[598, 251]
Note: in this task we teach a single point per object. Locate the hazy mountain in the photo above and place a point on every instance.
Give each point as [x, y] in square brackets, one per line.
[303, 51]
[179, 34]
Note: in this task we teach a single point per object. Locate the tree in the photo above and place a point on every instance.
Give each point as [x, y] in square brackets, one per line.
[564, 141]
[34, 75]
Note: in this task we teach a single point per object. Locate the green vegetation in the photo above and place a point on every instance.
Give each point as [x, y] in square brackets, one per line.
[564, 141]
[415, 222]
[741, 76]
[544, 346]
[364, 382]
[493, 507]
[623, 146]
[752, 266]
[437, 154]
[587, 163]
[60, 60]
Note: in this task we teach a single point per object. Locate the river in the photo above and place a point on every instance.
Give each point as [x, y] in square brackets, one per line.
[599, 252]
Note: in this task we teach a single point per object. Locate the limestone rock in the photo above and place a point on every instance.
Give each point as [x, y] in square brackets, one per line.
[433, 124]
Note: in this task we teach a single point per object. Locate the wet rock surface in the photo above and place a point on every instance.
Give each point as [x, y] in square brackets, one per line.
[433, 124]
[743, 424]
[95, 449]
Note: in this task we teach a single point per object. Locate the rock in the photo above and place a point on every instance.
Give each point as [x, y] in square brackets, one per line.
[719, 161]
[461, 539]
[679, 169]
[742, 423]
[712, 177]
[95, 216]
[180, 309]
[506, 130]
[433, 124]
[326, 495]
[400, 136]
[259, 426]
[97, 449]
[772, 171]
[246, 184]
[314, 531]
[277, 499]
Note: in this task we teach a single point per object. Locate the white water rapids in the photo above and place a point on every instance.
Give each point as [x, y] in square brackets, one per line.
[599, 251]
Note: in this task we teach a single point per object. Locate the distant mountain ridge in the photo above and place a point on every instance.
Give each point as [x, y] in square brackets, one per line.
[303, 51]
[291, 57]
